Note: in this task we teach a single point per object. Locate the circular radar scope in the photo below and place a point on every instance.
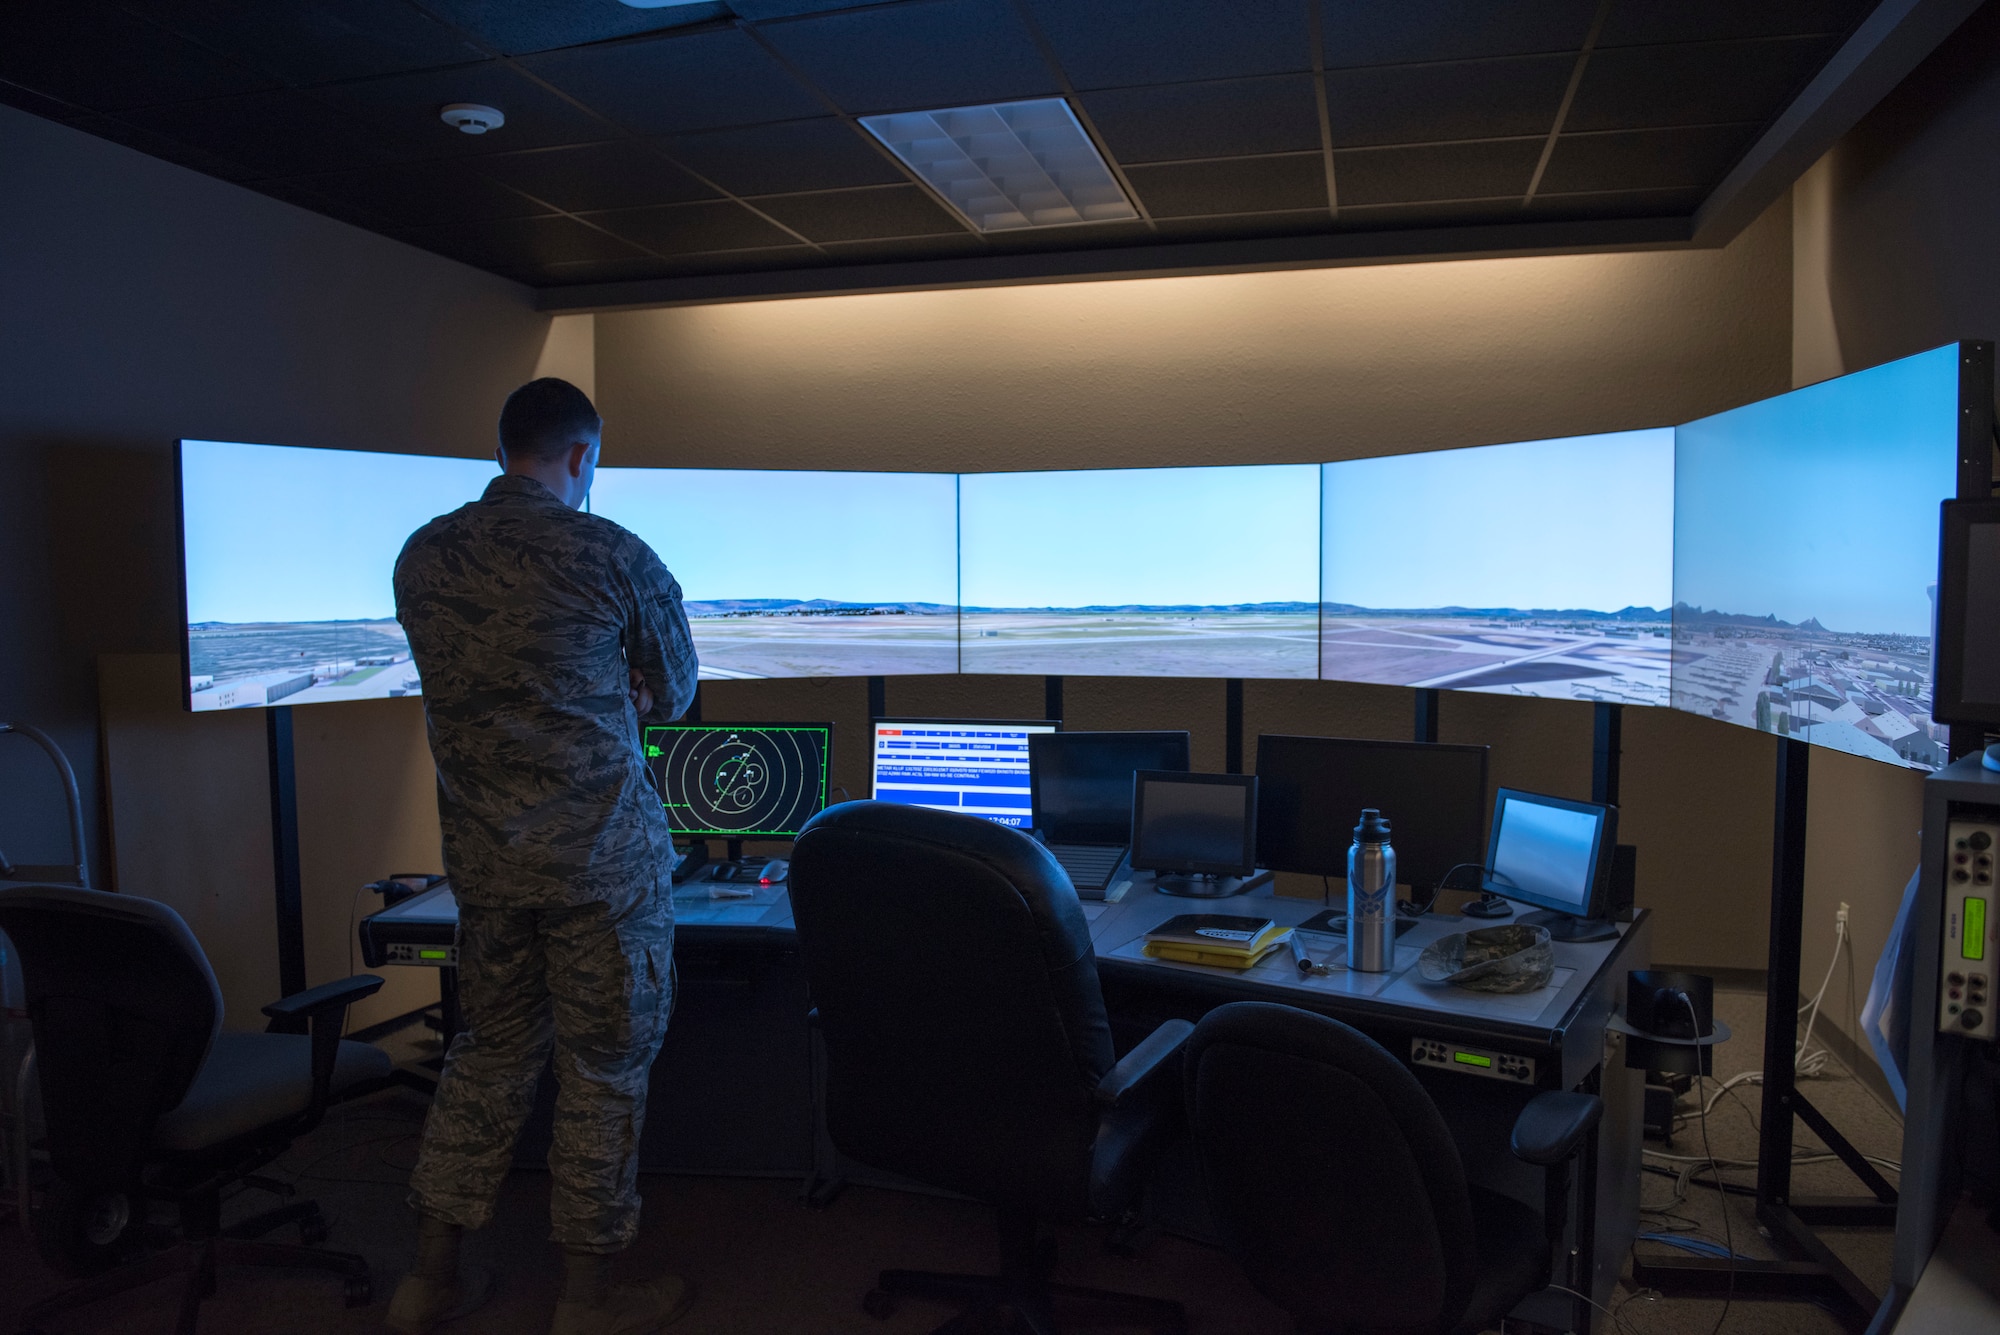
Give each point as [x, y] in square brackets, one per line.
[739, 782]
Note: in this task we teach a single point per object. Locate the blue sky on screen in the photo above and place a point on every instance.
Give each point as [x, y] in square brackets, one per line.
[1822, 502]
[283, 533]
[737, 533]
[1168, 536]
[1582, 523]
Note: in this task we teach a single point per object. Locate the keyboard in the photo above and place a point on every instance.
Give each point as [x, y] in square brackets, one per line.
[1090, 866]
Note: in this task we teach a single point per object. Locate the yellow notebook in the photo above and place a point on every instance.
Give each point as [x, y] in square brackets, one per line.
[1225, 940]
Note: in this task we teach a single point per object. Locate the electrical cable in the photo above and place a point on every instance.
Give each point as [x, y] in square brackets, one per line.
[1616, 1319]
[1722, 1199]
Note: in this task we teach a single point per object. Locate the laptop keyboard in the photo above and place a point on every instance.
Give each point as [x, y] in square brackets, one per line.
[1089, 865]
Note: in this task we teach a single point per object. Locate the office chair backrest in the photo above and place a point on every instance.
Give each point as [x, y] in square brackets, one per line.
[958, 1002]
[1329, 1171]
[124, 1008]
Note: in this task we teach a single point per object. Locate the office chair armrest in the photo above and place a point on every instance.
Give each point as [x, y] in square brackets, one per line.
[1155, 1056]
[324, 1008]
[315, 1001]
[1552, 1127]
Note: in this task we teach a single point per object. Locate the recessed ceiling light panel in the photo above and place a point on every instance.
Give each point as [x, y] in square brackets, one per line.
[1008, 165]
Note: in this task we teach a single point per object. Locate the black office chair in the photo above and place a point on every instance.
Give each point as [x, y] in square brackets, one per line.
[1339, 1190]
[144, 1098]
[967, 1047]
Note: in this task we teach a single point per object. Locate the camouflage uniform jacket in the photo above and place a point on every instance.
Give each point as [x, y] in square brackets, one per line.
[524, 616]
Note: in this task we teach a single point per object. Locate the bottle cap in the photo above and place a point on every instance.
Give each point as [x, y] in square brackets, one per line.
[1374, 827]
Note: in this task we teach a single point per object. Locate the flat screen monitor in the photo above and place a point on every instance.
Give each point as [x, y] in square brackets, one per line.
[1312, 790]
[1806, 559]
[288, 556]
[1547, 852]
[1194, 824]
[1542, 568]
[1968, 634]
[1146, 572]
[978, 767]
[802, 574]
[740, 780]
[1081, 782]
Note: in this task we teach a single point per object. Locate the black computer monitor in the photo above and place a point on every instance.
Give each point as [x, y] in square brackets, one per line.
[1553, 854]
[1194, 824]
[1081, 782]
[740, 780]
[976, 767]
[1968, 622]
[1311, 792]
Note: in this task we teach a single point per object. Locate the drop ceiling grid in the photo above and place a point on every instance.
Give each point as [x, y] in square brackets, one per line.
[1239, 119]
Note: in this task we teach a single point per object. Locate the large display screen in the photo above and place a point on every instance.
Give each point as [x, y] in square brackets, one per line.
[802, 574]
[1168, 572]
[1541, 568]
[1806, 558]
[289, 555]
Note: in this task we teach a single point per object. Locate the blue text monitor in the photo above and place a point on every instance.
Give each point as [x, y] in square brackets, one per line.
[978, 767]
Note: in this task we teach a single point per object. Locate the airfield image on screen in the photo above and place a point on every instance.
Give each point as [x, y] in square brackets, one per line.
[1173, 572]
[739, 782]
[289, 557]
[802, 574]
[1806, 557]
[1541, 568]
[971, 768]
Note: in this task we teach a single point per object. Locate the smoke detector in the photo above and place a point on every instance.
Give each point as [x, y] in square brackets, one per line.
[471, 118]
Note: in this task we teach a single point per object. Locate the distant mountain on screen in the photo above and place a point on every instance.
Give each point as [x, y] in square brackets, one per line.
[1501, 613]
[774, 606]
[1163, 609]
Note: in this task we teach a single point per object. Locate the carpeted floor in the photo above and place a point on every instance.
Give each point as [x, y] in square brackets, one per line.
[764, 1263]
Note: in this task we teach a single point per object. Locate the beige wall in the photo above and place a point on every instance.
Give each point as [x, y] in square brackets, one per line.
[1262, 368]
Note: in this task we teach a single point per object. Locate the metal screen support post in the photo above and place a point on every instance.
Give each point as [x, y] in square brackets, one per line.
[1606, 749]
[1232, 725]
[285, 854]
[1052, 701]
[1427, 715]
[878, 697]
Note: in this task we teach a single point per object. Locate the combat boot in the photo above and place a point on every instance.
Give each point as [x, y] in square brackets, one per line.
[592, 1305]
[437, 1289]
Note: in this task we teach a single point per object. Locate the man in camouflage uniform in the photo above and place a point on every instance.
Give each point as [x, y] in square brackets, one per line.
[544, 637]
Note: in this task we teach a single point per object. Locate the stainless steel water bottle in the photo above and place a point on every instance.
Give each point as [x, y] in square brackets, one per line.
[1371, 889]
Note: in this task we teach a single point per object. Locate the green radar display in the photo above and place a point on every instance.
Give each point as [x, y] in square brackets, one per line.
[740, 781]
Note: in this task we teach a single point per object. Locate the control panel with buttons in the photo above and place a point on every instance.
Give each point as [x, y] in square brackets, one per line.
[1436, 1052]
[438, 957]
[1971, 934]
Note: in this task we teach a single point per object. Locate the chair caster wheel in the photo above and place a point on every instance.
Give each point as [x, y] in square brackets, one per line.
[312, 1230]
[879, 1303]
[360, 1291]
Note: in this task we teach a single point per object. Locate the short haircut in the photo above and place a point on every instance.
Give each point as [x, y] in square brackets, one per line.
[545, 417]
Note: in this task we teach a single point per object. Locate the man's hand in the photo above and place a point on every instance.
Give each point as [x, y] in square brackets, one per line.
[641, 695]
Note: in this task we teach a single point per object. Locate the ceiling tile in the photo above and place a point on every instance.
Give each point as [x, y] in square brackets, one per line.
[1231, 185]
[941, 247]
[302, 192]
[1644, 159]
[1232, 118]
[1635, 22]
[517, 28]
[945, 53]
[414, 195]
[1436, 213]
[1435, 171]
[98, 56]
[1296, 222]
[307, 43]
[1361, 32]
[1414, 104]
[145, 141]
[698, 81]
[514, 242]
[403, 111]
[617, 175]
[681, 229]
[823, 154]
[862, 215]
[1112, 43]
[276, 134]
[1701, 84]
[1074, 237]
[1618, 204]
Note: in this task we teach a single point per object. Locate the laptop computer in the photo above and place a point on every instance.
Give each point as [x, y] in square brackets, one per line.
[1081, 793]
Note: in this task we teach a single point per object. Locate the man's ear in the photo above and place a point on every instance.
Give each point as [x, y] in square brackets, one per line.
[577, 454]
[500, 456]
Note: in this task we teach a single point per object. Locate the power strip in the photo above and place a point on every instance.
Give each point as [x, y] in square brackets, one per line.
[1971, 931]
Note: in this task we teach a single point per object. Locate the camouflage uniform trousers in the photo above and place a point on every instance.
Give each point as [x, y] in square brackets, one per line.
[598, 984]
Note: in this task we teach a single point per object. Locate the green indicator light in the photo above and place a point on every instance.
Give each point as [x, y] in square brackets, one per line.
[433, 954]
[654, 752]
[1471, 1059]
[1972, 942]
